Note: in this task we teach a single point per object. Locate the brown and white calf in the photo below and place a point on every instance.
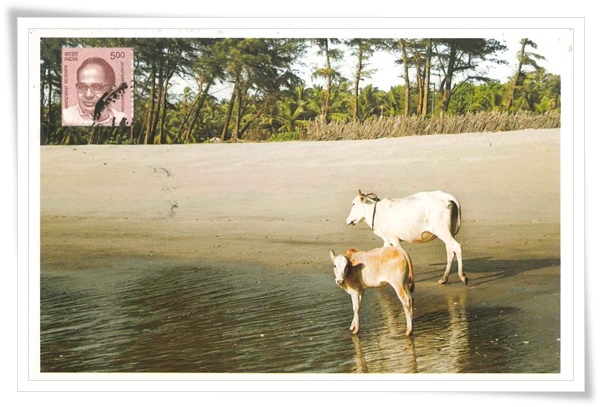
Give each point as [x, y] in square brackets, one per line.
[357, 270]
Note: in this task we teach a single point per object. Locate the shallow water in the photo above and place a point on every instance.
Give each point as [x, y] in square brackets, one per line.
[141, 316]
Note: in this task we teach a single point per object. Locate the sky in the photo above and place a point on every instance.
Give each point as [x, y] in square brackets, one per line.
[554, 45]
[555, 48]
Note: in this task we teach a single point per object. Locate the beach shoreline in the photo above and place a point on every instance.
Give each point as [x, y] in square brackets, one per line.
[207, 248]
[236, 201]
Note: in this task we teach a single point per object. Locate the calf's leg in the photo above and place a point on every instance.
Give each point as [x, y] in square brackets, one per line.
[403, 293]
[356, 300]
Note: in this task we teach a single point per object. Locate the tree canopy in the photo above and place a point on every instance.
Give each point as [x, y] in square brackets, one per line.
[267, 99]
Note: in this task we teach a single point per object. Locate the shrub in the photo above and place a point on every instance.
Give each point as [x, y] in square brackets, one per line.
[287, 136]
[399, 126]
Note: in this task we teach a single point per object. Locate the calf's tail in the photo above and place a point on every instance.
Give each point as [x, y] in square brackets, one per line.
[411, 276]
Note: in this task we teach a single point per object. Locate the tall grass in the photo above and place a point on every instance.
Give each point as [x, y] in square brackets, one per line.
[399, 126]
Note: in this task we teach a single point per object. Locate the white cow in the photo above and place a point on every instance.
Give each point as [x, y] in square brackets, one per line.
[418, 218]
[357, 270]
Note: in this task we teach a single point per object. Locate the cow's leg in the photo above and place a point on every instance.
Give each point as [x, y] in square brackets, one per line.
[403, 293]
[449, 258]
[453, 248]
[461, 274]
[390, 240]
[356, 300]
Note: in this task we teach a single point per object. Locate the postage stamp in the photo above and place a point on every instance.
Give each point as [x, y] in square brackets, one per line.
[97, 86]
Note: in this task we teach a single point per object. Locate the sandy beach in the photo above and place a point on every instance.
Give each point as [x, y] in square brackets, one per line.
[280, 207]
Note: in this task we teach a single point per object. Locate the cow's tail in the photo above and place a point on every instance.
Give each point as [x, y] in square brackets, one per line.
[454, 215]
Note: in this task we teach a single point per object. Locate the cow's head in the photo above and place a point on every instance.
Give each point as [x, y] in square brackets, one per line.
[358, 211]
[340, 267]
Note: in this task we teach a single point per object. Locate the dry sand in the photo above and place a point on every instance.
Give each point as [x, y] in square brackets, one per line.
[286, 203]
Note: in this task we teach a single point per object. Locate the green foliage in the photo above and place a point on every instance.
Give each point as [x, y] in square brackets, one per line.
[266, 99]
[539, 93]
[477, 98]
[287, 136]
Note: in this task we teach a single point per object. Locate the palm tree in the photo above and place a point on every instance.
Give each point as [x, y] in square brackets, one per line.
[524, 59]
[328, 72]
[540, 92]
[50, 80]
[292, 110]
[363, 50]
[392, 103]
[372, 101]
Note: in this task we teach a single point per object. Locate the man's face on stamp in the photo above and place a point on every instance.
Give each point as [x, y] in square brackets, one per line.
[92, 83]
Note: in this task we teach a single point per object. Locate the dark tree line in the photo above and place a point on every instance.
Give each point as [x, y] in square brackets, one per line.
[268, 99]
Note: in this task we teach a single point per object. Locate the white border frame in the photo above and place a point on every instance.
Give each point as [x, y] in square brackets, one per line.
[572, 376]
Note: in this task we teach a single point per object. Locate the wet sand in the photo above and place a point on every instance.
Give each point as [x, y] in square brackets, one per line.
[214, 257]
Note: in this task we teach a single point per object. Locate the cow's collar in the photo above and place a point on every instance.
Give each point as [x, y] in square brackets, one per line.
[373, 220]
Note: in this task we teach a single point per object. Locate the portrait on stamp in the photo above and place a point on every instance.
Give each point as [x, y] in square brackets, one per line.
[97, 86]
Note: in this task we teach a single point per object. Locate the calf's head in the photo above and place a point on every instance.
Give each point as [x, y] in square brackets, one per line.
[340, 267]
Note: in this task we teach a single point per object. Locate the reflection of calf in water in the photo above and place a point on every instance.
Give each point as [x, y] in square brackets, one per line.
[357, 270]
[443, 342]
[440, 347]
[385, 353]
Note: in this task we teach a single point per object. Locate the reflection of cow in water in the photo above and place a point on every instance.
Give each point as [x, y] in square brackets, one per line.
[418, 218]
[357, 270]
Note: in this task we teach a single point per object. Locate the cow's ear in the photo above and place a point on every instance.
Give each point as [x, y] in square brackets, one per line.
[363, 198]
